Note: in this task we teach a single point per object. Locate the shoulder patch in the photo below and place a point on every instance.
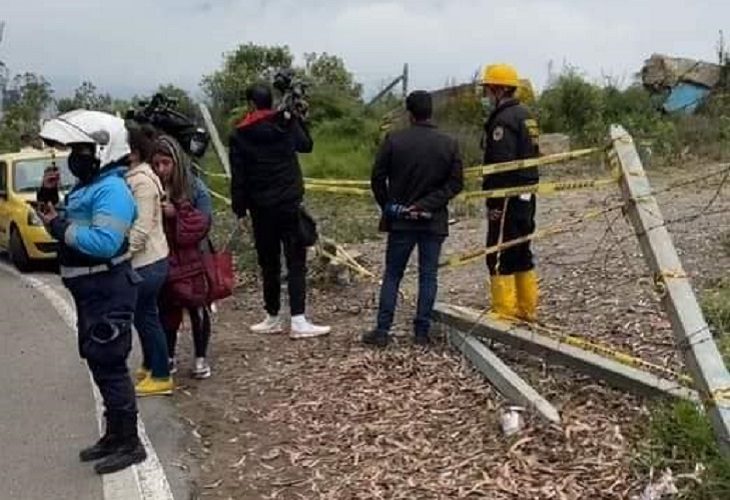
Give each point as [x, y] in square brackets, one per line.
[498, 133]
[532, 128]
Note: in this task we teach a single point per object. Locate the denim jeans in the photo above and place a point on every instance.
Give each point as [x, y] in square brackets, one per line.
[147, 319]
[398, 251]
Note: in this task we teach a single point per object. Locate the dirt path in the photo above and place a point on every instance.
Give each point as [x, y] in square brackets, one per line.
[329, 419]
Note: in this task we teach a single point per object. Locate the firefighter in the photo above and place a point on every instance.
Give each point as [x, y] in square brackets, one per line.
[510, 133]
[91, 227]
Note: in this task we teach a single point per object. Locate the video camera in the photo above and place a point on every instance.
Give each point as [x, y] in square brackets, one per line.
[293, 93]
[160, 112]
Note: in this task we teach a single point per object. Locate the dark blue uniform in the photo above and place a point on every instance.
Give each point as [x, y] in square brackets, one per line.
[95, 267]
[510, 133]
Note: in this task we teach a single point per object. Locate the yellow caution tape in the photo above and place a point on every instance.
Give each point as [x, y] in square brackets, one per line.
[214, 174]
[611, 353]
[661, 277]
[543, 188]
[337, 182]
[337, 189]
[209, 174]
[720, 397]
[481, 170]
[225, 199]
[345, 262]
[477, 254]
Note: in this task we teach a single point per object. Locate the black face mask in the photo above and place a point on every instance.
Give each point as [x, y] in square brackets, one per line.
[83, 166]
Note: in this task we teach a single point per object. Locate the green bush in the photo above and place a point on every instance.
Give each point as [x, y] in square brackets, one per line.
[574, 106]
[680, 437]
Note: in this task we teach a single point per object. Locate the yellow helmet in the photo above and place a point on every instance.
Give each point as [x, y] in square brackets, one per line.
[500, 74]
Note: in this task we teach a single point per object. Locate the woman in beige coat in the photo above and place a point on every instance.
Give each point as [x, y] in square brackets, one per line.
[148, 246]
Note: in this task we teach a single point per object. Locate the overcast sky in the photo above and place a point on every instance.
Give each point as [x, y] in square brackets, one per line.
[129, 46]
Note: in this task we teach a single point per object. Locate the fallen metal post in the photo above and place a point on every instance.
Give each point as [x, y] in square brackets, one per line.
[691, 331]
[550, 349]
[511, 385]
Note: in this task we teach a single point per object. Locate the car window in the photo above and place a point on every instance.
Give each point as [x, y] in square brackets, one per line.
[3, 177]
[28, 174]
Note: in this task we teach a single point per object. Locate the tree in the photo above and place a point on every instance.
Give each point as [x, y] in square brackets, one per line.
[325, 71]
[248, 64]
[27, 98]
[573, 105]
[333, 92]
[86, 96]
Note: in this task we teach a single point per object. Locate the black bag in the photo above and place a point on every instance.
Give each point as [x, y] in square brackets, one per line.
[307, 228]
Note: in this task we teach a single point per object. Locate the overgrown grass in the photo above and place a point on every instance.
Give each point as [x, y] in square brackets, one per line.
[343, 149]
[679, 434]
[680, 437]
[716, 306]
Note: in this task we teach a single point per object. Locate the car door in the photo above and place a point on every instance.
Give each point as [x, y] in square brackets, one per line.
[4, 205]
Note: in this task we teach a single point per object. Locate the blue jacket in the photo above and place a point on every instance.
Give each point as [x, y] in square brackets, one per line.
[201, 198]
[97, 217]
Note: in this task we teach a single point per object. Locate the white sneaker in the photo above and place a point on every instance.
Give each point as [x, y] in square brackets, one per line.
[301, 328]
[201, 369]
[272, 324]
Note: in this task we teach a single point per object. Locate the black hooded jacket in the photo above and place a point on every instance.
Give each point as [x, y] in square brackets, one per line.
[265, 169]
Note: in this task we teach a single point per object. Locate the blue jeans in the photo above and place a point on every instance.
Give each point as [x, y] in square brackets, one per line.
[147, 319]
[399, 248]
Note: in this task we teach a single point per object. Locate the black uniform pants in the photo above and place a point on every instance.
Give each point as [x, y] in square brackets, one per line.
[510, 219]
[273, 229]
[105, 304]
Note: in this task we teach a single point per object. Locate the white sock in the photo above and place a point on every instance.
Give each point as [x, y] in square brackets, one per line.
[299, 319]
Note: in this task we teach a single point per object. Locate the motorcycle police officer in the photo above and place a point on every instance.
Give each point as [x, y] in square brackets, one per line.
[510, 133]
[91, 228]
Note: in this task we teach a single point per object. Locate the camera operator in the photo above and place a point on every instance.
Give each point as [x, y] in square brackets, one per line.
[416, 173]
[267, 182]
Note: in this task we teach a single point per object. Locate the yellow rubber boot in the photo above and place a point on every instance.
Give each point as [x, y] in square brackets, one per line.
[504, 296]
[141, 374]
[527, 295]
[155, 387]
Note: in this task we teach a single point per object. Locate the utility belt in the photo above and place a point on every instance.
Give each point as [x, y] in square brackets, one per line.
[68, 272]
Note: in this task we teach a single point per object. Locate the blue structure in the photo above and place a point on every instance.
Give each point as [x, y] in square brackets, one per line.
[685, 97]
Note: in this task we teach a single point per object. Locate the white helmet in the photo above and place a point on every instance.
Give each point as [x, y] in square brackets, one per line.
[106, 132]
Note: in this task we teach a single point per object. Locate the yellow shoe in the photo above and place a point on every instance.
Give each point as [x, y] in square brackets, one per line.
[504, 296]
[154, 387]
[527, 295]
[141, 374]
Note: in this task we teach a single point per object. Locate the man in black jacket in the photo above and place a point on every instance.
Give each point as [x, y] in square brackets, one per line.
[510, 133]
[267, 183]
[416, 172]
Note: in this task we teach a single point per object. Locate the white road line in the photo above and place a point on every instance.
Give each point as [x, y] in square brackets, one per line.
[146, 481]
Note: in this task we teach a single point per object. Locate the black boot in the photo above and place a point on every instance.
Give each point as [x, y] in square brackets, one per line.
[130, 450]
[376, 338]
[108, 442]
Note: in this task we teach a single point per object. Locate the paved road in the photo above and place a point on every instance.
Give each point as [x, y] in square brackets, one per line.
[47, 409]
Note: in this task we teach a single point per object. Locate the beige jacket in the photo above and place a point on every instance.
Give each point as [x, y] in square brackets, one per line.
[147, 241]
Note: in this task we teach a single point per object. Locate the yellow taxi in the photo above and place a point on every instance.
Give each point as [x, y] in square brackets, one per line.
[22, 233]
